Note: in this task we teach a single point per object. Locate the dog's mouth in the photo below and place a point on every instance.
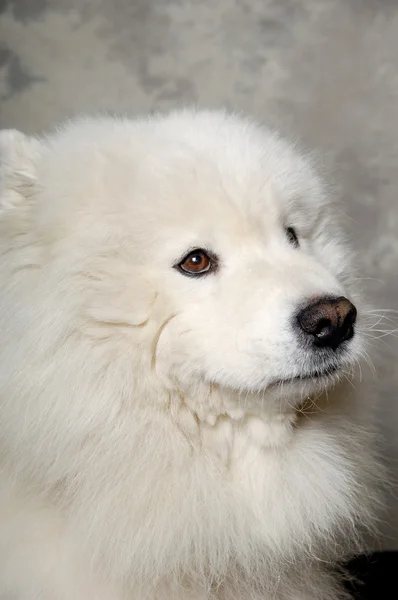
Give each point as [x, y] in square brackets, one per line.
[311, 376]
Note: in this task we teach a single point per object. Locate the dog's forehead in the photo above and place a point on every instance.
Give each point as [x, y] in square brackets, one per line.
[188, 169]
[222, 166]
[203, 199]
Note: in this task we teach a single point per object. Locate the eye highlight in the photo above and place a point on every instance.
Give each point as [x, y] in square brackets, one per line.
[292, 236]
[196, 263]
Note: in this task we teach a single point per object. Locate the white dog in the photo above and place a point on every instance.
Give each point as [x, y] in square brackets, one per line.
[174, 304]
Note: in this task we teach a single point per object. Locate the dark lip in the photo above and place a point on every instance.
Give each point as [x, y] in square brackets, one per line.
[318, 374]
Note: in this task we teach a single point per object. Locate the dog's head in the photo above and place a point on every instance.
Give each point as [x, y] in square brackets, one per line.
[197, 248]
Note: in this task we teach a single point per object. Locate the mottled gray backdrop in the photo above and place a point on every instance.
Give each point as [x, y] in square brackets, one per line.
[324, 70]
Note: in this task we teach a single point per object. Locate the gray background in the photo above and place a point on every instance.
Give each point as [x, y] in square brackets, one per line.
[323, 70]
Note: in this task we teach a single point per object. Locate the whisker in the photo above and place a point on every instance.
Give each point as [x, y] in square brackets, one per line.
[357, 361]
[348, 376]
[384, 332]
[353, 279]
[384, 310]
[378, 341]
[368, 361]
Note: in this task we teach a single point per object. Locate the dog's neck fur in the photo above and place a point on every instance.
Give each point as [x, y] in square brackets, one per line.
[219, 415]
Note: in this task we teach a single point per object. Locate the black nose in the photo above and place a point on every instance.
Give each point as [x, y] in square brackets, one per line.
[328, 321]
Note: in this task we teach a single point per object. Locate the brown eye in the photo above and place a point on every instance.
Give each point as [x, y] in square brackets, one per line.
[197, 262]
[292, 236]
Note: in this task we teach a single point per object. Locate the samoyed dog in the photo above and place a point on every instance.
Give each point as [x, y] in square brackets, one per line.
[177, 322]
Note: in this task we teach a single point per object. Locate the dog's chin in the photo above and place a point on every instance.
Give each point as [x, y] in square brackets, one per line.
[313, 376]
[294, 388]
[305, 383]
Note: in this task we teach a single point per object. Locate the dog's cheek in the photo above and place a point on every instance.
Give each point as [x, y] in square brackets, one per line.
[118, 295]
[131, 310]
[167, 355]
[179, 355]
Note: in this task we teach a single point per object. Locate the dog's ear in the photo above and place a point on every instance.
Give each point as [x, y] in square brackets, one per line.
[18, 158]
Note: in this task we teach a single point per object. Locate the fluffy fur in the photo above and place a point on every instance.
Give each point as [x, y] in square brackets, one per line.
[147, 450]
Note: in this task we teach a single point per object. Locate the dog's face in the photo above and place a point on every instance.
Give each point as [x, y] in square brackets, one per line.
[246, 256]
[230, 231]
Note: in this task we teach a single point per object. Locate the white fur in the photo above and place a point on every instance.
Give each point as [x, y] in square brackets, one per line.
[145, 450]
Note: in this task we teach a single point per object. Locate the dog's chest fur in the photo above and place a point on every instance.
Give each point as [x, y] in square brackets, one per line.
[288, 479]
